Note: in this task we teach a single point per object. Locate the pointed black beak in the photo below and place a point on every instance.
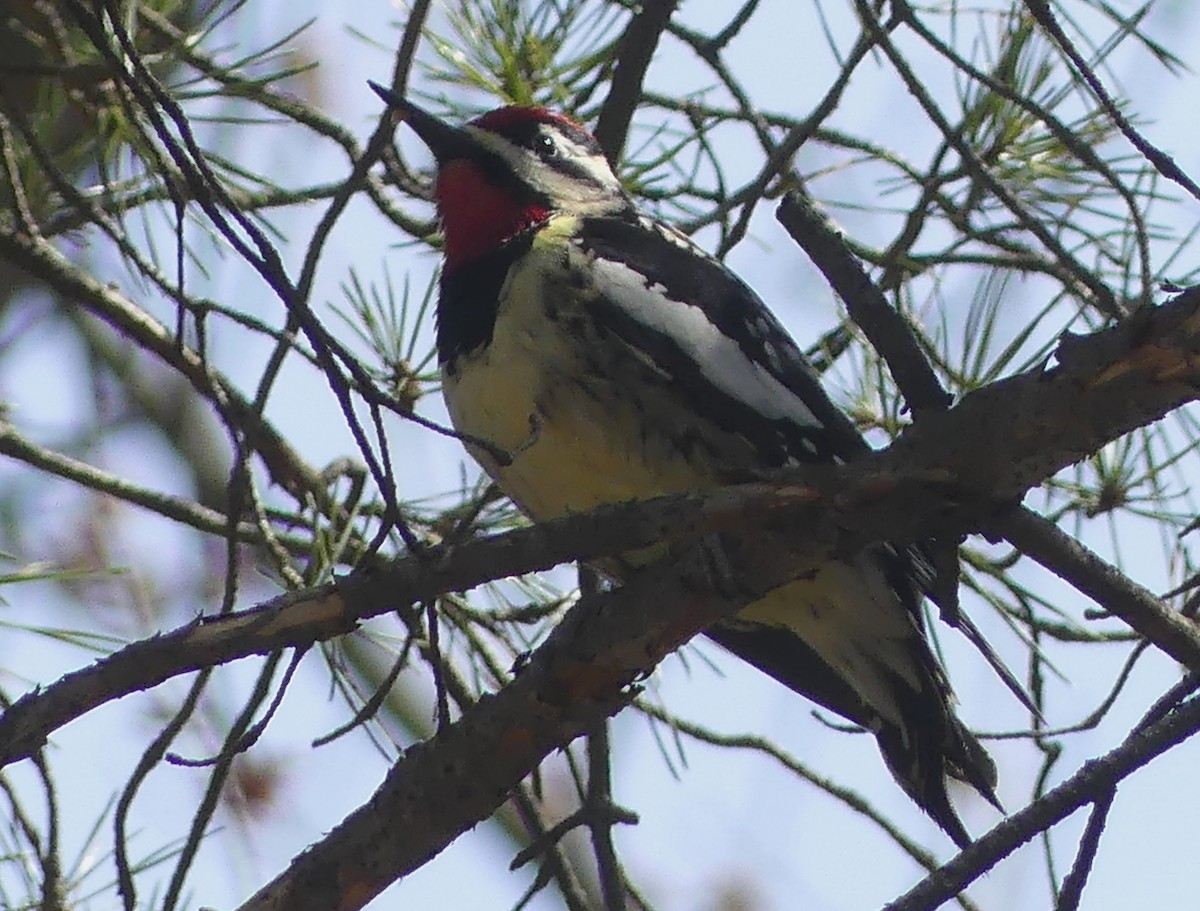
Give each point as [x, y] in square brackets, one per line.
[445, 142]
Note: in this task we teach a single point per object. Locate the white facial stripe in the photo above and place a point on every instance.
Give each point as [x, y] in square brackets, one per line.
[572, 191]
[493, 142]
[721, 361]
[598, 185]
[595, 166]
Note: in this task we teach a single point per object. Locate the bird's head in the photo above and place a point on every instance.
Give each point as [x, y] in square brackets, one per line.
[508, 170]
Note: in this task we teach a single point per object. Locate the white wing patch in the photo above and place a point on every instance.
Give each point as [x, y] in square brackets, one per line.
[720, 358]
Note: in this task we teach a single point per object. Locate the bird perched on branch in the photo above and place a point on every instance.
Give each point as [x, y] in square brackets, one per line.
[613, 360]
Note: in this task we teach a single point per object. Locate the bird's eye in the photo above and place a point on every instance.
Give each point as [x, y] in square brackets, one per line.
[545, 147]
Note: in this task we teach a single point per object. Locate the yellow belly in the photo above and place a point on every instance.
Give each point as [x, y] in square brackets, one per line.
[575, 438]
[566, 452]
[579, 433]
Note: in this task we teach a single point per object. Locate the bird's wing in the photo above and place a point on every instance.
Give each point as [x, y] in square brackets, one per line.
[648, 253]
[701, 323]
[733, 362]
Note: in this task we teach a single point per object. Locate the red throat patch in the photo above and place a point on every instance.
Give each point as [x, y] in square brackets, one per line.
[476, 215]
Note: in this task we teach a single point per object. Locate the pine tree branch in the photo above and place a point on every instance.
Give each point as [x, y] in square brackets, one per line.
[48, 265]
[955, 472]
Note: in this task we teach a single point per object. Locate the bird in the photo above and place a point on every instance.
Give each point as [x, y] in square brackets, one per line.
[592, 354]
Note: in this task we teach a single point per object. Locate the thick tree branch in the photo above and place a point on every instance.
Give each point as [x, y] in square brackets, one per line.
[447, 784]
[625, 89]
[301, 618]
[893, 338]
[1036, 423]
[953, 472]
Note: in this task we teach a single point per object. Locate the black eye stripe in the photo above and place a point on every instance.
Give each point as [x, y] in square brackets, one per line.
[580, 137]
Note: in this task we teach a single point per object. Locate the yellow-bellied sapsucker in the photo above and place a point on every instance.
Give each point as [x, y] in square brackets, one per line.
[614, 360]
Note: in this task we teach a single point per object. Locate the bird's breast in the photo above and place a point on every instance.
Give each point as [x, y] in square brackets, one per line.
[580, 421]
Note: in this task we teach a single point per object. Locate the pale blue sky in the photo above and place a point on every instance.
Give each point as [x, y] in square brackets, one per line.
[730, 819]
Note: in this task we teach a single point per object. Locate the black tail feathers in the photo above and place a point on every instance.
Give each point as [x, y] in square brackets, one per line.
[928, 745]
[924, 754]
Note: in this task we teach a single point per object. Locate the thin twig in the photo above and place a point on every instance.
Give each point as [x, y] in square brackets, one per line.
[1160, 160]
[1095, 778]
